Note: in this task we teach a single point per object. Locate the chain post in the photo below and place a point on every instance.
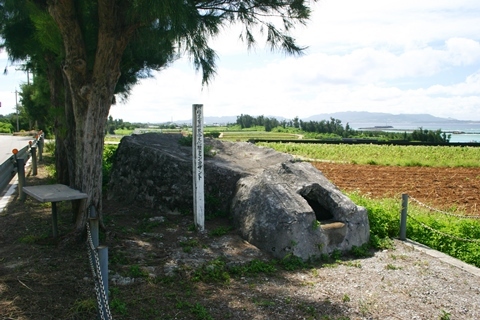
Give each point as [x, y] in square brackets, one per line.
[103, 259]
[403, 217]
[100, 276]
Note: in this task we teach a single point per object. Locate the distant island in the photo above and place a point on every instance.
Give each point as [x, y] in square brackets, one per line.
[377, 128]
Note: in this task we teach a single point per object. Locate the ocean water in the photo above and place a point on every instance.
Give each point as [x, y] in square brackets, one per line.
[469, 137]
[461, 131]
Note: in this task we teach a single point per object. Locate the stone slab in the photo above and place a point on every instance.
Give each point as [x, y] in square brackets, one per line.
[54, 193]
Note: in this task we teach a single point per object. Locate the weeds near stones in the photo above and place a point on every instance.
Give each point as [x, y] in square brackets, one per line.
[86, 306]
[254, 267]
[445, 315]
[291, 262]
[263, 303]
[362, 251]
[354, 264]
[119, 306]
[336, 254]
[188, 245]
[213, 271]
[392, 267]
[220, 231]
[118, 257]
[196, 309]
[186, 141]
[136, 272]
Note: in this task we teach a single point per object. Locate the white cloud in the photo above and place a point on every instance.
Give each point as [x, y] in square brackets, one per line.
[367, 65]
[470, 87]
[463, 51]
[348, 23]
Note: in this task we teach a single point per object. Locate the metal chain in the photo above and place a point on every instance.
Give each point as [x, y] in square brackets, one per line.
[443, 233]
[443, 212]
[97, 275]
[95, 281]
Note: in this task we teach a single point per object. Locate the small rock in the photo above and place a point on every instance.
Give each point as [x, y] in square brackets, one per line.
[157, 219]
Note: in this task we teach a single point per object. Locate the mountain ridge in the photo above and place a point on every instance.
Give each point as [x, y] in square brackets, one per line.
[358, 117]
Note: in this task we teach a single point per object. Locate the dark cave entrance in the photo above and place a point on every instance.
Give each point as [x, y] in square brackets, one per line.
[322, 213]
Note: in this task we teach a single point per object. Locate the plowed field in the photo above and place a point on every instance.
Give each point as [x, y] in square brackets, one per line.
[441, 188]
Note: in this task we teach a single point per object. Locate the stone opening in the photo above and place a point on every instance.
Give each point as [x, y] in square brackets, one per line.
[321, 212]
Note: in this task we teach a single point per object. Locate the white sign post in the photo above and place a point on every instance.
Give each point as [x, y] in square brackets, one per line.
[198, 169]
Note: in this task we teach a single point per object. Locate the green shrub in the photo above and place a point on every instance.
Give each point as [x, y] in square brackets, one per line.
[254, 267]
[49, 147]
[6, 127]
[109, 152]
[449, 234]
[220, 231]
[186, 141]
[212, 134]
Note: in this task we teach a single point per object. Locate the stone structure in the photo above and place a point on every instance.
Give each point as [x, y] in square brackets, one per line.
[277, 204]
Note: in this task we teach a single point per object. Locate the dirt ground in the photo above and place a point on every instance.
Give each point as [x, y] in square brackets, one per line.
[160, 269]
[440, 188]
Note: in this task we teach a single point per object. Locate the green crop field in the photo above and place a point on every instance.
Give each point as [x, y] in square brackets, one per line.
[428, 156]
[247, 135]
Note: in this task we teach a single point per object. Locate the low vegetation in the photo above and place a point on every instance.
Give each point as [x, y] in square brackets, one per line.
[388, 155]
[6, 127]
[449, 233]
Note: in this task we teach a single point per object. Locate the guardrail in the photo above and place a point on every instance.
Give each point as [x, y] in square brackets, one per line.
[15, 164]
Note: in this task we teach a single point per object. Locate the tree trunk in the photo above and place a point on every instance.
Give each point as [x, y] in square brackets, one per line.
[91, 92]
[89, 149]
[55, 79]
[69, 141]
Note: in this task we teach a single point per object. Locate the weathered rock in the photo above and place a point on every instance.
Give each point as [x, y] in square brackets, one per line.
[154, 170]
[291, 208]
[279, 205]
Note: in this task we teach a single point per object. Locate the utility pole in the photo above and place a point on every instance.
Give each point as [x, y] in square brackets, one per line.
[16, 105]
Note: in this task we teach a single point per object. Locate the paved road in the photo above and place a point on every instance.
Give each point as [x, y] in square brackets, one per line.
[8, 143]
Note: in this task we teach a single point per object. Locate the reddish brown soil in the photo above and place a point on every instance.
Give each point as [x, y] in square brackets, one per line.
[441, 188]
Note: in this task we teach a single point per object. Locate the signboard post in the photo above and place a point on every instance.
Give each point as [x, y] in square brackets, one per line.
[198, 167]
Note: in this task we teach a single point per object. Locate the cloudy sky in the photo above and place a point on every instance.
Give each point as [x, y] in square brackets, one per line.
[392, 56]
